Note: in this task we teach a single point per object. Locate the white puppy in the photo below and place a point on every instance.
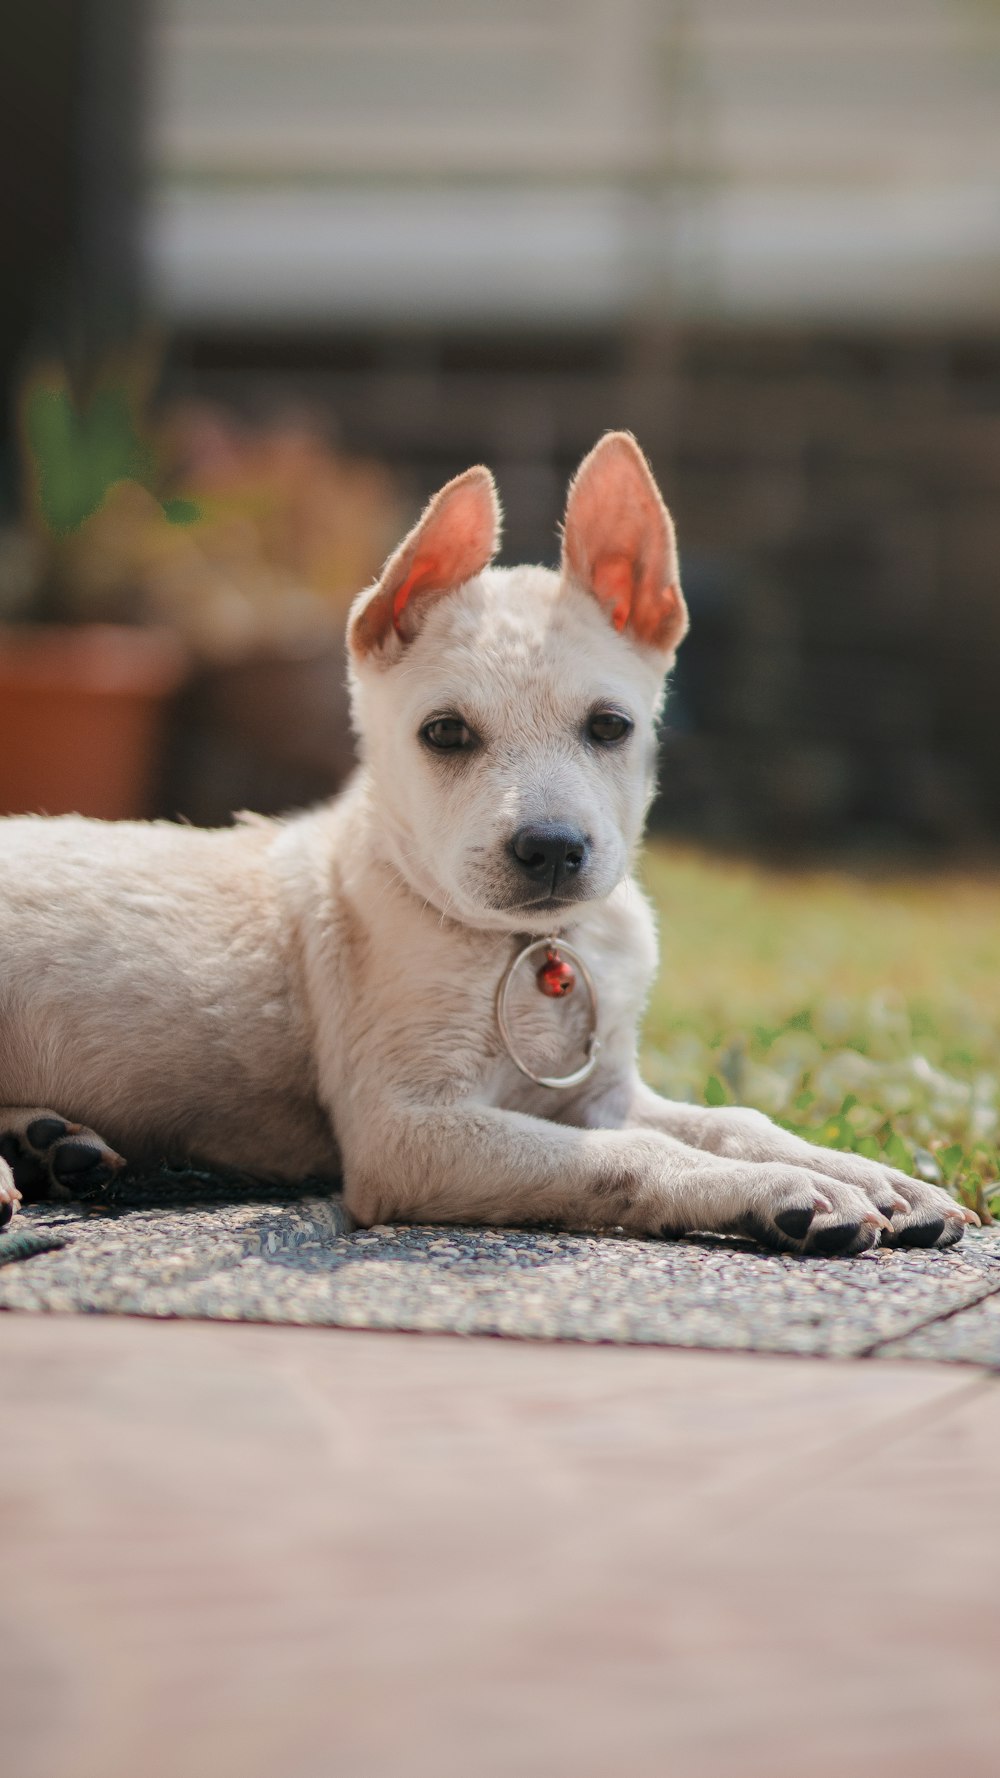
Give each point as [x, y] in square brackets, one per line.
[320, 995]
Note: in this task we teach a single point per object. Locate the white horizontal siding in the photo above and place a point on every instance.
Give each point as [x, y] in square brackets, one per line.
[538, 158]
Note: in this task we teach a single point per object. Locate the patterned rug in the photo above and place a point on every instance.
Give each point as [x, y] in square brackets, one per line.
[197, 1245]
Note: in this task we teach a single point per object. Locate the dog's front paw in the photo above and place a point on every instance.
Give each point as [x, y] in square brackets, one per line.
[10, 1197]
[932, 1217]
[792, 1211]
[917, 1214]
[49, 1157]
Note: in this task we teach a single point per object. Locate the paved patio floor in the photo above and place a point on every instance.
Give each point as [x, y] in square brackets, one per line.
[314, 1553]
[299, 1260]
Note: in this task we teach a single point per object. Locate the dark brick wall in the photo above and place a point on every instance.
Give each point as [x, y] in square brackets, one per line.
[838, 501]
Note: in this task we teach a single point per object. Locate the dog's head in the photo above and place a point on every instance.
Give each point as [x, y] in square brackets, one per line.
[507, 715]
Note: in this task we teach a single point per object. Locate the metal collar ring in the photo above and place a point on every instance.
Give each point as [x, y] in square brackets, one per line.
[556, 1081]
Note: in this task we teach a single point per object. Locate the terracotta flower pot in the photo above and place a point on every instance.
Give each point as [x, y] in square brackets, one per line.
[81, 718]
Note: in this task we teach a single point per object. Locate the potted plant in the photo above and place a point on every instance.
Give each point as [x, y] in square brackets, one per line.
[84, 685]
[194, 546]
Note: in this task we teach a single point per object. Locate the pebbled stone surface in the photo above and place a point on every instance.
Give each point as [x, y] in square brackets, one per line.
[180, 1246]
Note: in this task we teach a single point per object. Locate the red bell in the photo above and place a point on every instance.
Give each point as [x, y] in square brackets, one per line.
[556, 976]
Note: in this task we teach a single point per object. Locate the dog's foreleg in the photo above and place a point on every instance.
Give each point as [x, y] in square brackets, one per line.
[49, 1157]
[476, 1163]
[920, 1215]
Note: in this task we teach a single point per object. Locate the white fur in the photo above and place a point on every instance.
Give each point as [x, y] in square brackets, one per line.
[317, 995]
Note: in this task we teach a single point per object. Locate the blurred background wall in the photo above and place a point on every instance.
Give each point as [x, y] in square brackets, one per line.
[364, 244]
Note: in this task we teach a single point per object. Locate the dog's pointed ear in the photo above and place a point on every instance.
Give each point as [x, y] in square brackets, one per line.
[619, 545]
[454, 539]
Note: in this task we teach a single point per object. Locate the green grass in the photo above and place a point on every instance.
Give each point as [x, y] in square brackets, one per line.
[865, 1015]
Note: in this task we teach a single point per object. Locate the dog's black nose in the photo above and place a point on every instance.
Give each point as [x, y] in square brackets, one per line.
[549, 852]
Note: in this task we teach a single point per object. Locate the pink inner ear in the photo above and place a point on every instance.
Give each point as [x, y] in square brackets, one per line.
[446, 561]
[618, 543]
[632, 597]
[453, 542]
[658, 616]
[422, 571]
[612, 583]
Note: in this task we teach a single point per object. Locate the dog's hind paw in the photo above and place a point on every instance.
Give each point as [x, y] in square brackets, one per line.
[10, 1197]
[49, 1157]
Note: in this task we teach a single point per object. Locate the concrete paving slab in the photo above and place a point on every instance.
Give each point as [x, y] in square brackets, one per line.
[294, 1261]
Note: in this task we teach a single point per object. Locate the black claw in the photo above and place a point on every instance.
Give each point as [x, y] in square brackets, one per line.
[834, 1240]
[44, 1131]
[795, 1222]
[924, 1234]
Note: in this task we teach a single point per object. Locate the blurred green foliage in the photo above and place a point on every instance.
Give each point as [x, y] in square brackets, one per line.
[78, 454]
[78, 447]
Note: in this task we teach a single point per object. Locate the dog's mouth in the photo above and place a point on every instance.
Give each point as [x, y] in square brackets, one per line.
[537, 913]
[543, 904]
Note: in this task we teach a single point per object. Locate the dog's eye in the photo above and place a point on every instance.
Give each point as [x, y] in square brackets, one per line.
[608, 726]
[446, 734]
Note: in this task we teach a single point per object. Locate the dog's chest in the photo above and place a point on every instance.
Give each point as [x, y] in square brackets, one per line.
[448, 1001]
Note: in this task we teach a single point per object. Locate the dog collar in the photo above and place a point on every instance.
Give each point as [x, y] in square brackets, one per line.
[556, 977]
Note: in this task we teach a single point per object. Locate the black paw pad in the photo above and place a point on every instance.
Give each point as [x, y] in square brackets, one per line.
[80, 1166]
[836, 1239]
[27, 1170]
[44, 1131]
[795, 1222]
[925, 1234]
[756, 1228]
